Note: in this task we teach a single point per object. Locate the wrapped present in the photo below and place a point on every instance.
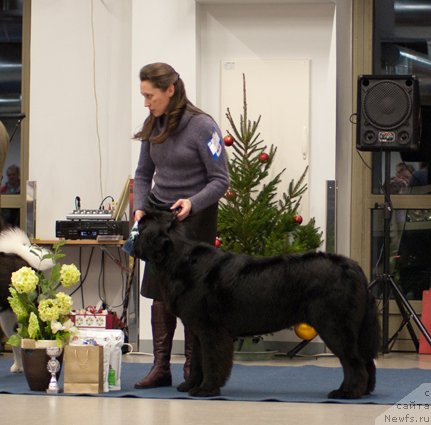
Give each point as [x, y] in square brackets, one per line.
[91, 317]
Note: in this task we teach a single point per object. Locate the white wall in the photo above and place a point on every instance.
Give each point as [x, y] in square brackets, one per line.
[67, 76]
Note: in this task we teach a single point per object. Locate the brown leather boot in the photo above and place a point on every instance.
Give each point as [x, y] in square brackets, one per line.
[188, 348]
[163, 325]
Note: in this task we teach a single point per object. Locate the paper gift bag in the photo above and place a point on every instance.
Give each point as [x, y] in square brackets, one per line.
[112, 341]
[424, 347]
[83, 369]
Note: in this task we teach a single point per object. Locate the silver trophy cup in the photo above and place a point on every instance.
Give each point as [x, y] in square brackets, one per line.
[53, 367]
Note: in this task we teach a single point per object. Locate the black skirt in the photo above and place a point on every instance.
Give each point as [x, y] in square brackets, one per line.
[201, 227]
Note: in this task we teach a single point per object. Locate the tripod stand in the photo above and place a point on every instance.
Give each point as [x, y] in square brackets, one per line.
[387, 283]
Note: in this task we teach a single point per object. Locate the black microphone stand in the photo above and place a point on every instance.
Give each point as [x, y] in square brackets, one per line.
[387, 283]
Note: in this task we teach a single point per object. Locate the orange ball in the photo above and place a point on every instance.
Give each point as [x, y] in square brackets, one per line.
[305, 331]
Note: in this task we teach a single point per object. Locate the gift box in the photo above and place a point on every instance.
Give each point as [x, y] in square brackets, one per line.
[93, 318]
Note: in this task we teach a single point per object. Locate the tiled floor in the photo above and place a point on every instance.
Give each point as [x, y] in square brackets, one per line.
[37, 410]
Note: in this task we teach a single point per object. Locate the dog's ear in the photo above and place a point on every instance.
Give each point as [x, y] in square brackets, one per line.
[162, 248]
[167, 220]
[150, 214]
[162, 216]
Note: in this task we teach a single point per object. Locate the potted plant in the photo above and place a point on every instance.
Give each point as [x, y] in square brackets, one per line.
[43, 312]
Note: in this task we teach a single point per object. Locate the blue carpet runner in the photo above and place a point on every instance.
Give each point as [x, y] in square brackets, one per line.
[306, 384]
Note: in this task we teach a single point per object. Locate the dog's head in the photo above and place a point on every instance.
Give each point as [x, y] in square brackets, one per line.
[153, 242]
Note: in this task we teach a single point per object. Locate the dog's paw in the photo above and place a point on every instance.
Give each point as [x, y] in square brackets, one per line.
[184, 387]
[344, 394]
[204, 392]
[16, 368]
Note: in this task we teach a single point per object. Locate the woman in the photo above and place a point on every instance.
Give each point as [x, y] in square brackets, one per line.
[182, 153]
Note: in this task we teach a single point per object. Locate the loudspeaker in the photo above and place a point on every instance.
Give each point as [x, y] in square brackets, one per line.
[388, 113]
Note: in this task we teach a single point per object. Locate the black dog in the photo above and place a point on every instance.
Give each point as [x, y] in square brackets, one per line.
[220, 295]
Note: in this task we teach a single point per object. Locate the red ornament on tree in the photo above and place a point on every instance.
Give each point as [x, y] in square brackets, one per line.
[297, 219]
[263, 157]
[217, 242]
[228, 140]
[230, 194]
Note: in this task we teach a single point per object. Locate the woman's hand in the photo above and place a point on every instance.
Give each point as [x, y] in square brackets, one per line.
[139, 214]
[184, 207]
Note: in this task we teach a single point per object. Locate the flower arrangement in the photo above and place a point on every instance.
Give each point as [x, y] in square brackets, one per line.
[42, 312]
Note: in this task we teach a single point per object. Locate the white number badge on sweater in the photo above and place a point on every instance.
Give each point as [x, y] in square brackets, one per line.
[214, 145]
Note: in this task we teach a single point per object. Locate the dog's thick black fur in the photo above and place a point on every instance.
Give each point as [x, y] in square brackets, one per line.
[220, 296]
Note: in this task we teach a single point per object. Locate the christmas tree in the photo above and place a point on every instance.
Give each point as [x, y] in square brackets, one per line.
[253, 219]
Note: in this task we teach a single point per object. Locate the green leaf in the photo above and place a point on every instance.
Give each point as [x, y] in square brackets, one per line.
[14, 340]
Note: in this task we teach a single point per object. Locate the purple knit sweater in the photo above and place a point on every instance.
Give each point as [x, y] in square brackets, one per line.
[191, 164]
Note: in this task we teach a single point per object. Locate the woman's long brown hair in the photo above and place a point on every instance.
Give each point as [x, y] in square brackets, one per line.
[161, 76]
